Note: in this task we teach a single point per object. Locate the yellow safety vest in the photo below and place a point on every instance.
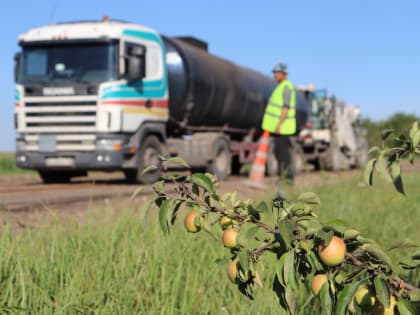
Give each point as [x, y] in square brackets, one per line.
[275, 107]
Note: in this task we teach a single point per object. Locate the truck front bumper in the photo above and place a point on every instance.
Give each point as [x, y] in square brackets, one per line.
[92, 160]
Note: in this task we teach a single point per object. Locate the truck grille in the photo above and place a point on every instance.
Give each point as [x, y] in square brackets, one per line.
[53, 117]
[58, 125]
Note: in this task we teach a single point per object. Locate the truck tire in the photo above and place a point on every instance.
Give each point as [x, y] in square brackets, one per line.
[150, 150]
[222, 159]
[54, 177]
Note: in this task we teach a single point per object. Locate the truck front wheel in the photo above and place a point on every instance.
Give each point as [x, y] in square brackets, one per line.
[150, 150]
[222, 159]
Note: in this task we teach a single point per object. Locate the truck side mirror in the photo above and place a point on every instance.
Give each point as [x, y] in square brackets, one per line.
[17, 64]
[136, 65]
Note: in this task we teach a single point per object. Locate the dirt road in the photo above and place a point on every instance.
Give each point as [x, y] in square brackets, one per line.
[25, 195]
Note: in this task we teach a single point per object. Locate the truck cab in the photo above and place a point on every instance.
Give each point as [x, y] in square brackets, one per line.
[87, 93]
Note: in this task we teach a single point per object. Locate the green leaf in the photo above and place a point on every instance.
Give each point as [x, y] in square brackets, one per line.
[262, 206]
[250, 233]
[148, 169]
[345, 297]
[309, 198]
[203, 181]
[414, 128]
[286, 232]
[243, 260]
[136, 192]
[416, 139]
[326, 300]
[382, 168]
[386, 133]
[177, 161]
[337, 225]
[176, 208]
[382, 290]
[415, 296]
[403, 245]
[279, 269]
[395, 171]
[406, 308]
[351, 233]
[378, 253]
[368, 174]
[290, 299]
[373, 149]
[325, 237]
[289, 274]
[416, 255]
[163, 216]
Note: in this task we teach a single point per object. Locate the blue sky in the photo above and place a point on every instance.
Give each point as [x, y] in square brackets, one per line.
[367, 52]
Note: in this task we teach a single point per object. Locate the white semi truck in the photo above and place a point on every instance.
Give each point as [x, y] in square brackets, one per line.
[110, 95]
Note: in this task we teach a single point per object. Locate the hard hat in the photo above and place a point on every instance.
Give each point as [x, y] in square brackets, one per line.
[280, 67]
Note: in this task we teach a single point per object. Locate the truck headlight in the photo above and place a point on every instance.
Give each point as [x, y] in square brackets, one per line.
[109, 144]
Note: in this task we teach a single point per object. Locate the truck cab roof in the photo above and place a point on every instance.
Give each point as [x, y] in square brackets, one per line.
[80, 30]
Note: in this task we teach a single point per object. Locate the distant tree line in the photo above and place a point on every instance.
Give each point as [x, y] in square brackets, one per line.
[399, 122]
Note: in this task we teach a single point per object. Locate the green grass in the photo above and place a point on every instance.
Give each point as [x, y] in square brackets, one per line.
[8, 164]
[118, 261]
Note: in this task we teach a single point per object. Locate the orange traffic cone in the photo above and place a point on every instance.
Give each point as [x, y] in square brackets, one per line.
[256, 177]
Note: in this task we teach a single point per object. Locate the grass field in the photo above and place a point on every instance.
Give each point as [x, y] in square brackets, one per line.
[118, 262]
[8, 164]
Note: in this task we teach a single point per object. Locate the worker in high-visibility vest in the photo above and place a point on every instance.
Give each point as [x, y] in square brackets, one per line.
[280, 117]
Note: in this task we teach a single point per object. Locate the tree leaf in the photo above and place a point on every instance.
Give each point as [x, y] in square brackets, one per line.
[290, 299]
[413, 129]
[243, 260]
[382, 290]
[289, 271]
[309, 198]
[415, 296]
[175, 210]
[203, 181]
[345, 297]
[279, 269]
[351, 233]
[250, 233]
[163, 216]
[382, 168]
[378, 253]
[370, 166]
[177, 161]
[403, 245]
[337, 225]
[326, 300]
[406, 308]
[386, 133]
[395, 171]
[262, 206]
[148, 169]
[286, 232]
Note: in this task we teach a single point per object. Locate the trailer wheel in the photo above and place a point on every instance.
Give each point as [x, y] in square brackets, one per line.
[150, 150]
[222, 159]
[54, 177]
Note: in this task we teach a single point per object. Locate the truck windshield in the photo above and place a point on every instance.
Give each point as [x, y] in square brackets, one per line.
[68, 64]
